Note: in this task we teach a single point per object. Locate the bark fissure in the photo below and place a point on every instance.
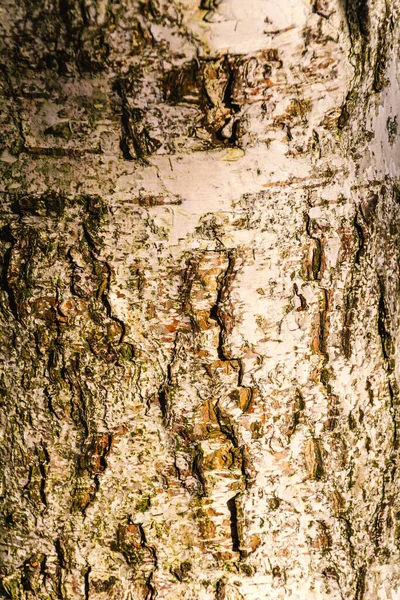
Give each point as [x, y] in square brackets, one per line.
[221, 310]
[5, 280]
[233, 510]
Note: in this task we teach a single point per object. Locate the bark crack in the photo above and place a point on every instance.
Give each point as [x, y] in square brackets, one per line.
[5, 281]
[316, 260]
[220, 312]
[233, 511]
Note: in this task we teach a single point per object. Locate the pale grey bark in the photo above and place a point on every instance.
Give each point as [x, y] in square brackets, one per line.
[199, 300]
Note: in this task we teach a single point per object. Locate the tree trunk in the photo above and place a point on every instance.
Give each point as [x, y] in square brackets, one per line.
[199, 300]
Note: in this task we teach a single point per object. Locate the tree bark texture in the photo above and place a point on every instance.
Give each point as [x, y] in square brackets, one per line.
[200, 299]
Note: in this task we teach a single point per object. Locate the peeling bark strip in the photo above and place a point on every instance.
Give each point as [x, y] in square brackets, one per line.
[199, 300]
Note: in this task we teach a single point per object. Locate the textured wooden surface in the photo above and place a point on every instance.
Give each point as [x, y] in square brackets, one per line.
[199, 302]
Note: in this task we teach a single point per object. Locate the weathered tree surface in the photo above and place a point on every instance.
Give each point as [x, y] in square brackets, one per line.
[200, 299]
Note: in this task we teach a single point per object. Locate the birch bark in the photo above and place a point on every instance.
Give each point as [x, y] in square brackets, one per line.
[199, 303]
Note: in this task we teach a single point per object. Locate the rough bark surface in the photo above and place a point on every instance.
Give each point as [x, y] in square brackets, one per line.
[199, 299]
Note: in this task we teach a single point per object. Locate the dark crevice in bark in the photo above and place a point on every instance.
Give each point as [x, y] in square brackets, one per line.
[163, 402]
[220, 590]
[87, 583]
[384, 335]
[320, 343]
[61, 566]
[361, 238]
[240, 381]
[136, 142]
[360, 583]
[6, 284]
[299, 407]
[220, 312]
[198, 469]
[185, 84]
[189, 277]
[226, 425]
[348, 534]
[245, 467]
[152, 591]
[316, 261]
[60, 553]
[358, 18]
[233, 511]
[163, 392]
[50, 405]
[43, 464]
[64, 8]
[229, 91]
[233, 107]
